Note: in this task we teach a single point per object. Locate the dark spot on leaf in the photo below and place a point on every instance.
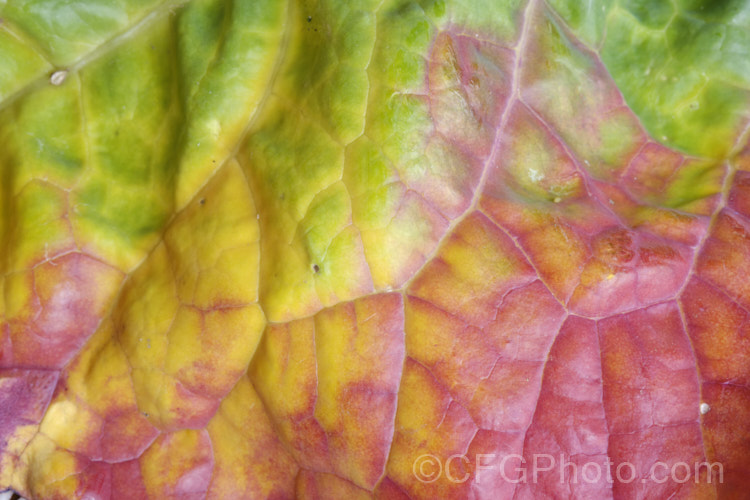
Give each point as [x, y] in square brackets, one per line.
[614, 246]
[202, 201]
[316, 268]
[309, 19]
[659, 254]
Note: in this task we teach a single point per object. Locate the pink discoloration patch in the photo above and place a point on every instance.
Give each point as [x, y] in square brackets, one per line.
[469, 82]
[366, 377]
[95, 482]
[648, 370]
[657, 176]
[318, 486]
[388, 489]
[525, 322]
[668, 224]
[506, 399]
[72, 294]
[727, 436]
[24, 396]
[285, 376]
[223, 333]
[651, 170]
[739, 196]
[178, 465]
[127, 481]
[126, 436]
[725, 258]
[474, 269]
[190, 410]
[577, 97]
[490, 371]
[651, 395]
[495, 463]
[670, 445]
[335, 406]
[250, 459]
[720, 332]
[743, 159]
[444, 429]
[629, 270]
[569, 423]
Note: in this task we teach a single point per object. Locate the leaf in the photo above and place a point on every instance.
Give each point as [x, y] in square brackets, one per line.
[394, 249]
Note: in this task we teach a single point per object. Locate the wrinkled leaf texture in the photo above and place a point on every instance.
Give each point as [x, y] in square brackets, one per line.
[277, 249]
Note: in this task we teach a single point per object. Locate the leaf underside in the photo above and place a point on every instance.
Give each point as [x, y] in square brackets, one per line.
[278, 249]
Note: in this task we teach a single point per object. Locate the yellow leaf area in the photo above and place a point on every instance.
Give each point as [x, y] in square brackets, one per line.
[179, 338]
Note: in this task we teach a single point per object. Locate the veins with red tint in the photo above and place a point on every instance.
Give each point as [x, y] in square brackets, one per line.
[582, 302]
[598, 248]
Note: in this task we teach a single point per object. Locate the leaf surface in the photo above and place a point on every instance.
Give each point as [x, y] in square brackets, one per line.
[290, 249]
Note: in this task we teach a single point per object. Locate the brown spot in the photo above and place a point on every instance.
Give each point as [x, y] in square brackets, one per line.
[614, 246]
[449, 59]
[657, 254]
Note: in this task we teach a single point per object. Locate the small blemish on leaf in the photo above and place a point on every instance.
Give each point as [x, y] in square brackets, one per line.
[704, 408]
[557, 199]
[58, 77]
[309, 19]
[202, 201]
[316, 268]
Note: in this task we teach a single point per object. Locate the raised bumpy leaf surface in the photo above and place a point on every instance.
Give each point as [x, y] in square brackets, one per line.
[392, 249]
